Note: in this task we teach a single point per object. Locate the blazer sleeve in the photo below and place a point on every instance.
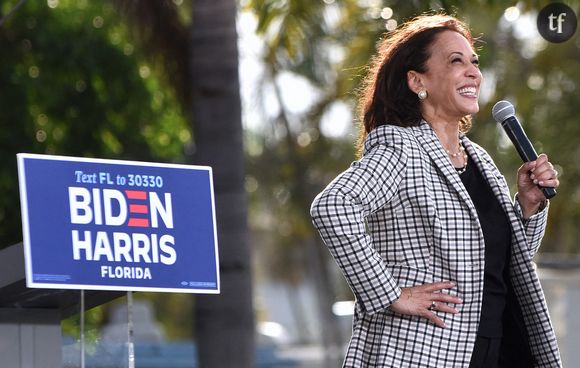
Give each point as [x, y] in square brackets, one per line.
[339, 214]
[535, 226]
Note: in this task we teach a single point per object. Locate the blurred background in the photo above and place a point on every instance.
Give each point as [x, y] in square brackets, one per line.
[264, 91]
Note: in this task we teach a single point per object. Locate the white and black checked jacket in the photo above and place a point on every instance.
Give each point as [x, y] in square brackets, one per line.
[401, 217]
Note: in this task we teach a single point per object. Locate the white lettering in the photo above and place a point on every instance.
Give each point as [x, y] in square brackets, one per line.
[80, 210]
[165, 243]
[79, 245]
[154, 248]
[97, 206]
[165, 211]
[141, 247]
[124, 272]
[102, 247]
[559, 19]
[122, 247]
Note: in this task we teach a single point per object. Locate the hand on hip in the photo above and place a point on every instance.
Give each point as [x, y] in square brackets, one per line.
[425, 300]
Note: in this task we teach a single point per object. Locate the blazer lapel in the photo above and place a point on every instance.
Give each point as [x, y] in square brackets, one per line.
[432, 146]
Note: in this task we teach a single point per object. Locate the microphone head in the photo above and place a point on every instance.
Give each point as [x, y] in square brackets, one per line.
[502, 110]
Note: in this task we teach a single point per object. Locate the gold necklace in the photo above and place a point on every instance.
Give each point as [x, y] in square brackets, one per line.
[460, 151]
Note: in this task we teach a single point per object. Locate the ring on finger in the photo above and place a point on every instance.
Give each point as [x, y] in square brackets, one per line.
[433, 306]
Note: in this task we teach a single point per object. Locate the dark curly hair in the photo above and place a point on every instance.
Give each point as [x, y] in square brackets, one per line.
[385, 97]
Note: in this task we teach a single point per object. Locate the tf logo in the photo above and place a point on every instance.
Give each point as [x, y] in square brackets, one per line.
[557, 22]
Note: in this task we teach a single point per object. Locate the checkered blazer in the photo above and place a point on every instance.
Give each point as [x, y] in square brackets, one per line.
[401, 217]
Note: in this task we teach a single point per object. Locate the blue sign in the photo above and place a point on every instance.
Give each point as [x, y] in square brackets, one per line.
[118, 225]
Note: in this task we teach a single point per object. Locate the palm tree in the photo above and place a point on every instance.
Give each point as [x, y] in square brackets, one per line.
[224, 323]
[200, 60]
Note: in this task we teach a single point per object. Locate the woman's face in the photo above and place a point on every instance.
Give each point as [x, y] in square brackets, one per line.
[452, 79]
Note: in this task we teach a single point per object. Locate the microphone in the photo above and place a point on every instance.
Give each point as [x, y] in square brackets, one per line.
[504, 113]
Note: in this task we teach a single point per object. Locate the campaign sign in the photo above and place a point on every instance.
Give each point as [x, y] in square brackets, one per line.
[118, 225]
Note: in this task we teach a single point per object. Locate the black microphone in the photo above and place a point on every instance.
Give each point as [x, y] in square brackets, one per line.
[504, 113]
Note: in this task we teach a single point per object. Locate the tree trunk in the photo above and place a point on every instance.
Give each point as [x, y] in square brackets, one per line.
[224, 324]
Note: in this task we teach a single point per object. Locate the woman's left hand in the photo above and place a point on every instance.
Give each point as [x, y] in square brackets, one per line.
[531, 174]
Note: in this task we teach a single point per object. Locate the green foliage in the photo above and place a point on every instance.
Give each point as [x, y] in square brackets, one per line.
[73, 83]
[172, 311]
[94, 319]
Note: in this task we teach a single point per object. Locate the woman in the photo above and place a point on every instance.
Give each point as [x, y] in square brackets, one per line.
[423, 227]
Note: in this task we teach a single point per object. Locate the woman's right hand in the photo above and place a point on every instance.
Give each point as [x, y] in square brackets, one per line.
[425, 300]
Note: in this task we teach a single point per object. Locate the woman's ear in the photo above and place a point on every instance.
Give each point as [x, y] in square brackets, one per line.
[414, 81]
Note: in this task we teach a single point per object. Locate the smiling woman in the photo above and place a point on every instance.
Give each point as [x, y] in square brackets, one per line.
[423, 226]
[394, 87]
[452, 76]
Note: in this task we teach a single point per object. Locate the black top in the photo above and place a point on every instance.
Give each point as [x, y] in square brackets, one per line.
[497, 237]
